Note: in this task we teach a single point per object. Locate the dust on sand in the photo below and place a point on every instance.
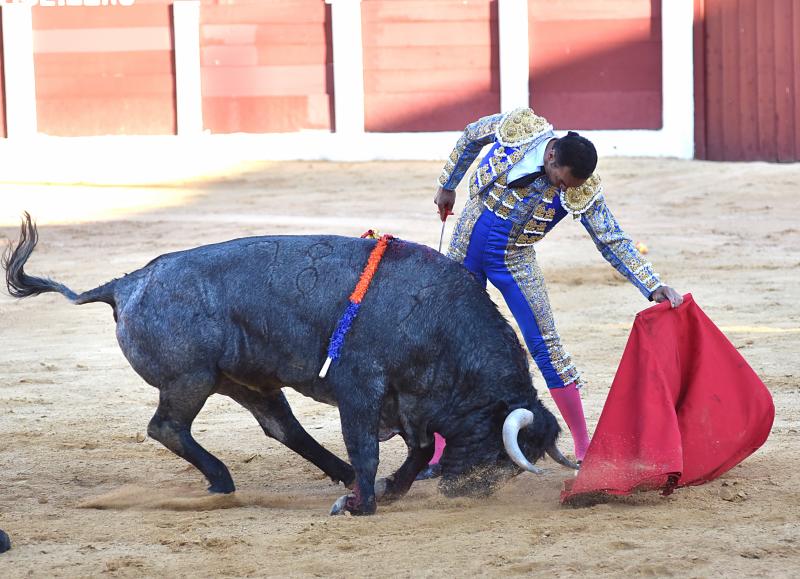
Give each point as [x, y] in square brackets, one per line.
[84, 492]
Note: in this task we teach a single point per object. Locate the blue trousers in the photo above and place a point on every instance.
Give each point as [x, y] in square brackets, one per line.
[481, 243]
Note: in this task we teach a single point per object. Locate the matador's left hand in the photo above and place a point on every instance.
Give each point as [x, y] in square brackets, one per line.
[665, 293]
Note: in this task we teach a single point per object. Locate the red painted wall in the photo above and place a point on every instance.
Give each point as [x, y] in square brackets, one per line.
[104, 70]
[429, 66]
[596, 65]
[3, 130]
[747, 76]
[266, 65]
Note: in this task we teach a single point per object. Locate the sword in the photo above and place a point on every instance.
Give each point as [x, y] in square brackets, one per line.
[441, 235]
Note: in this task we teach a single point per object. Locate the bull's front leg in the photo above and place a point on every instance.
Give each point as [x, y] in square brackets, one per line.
[359, 409]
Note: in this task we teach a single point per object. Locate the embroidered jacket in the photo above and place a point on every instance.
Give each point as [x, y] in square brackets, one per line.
[537, 208]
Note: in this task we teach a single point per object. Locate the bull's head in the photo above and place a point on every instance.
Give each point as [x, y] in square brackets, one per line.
[526, 437]
[516, 421]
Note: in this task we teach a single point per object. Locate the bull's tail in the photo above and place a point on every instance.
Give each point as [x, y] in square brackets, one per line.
[22, 285]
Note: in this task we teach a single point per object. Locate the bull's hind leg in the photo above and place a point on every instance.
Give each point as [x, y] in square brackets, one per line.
[172, 426]
[277, 421]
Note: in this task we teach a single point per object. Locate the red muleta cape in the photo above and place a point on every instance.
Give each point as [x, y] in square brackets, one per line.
[684, 408]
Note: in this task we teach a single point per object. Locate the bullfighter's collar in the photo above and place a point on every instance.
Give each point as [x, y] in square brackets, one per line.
[577, 200]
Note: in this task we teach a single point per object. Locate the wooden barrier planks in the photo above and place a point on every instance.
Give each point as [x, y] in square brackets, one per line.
[596, 65]
[429, 66]
[104, 70]
[266, 66]
[747, 87]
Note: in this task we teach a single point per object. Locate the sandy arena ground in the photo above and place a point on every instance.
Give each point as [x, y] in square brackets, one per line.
[84, 492]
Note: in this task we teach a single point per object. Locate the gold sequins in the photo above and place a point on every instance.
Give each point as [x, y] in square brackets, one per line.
[577, 200]
[521, 126]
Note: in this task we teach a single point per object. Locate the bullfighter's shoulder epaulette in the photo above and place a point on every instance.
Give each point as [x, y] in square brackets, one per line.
[576, 200]
[520, 127]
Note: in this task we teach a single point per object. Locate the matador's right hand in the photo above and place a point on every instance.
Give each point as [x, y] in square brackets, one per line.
[445, 199]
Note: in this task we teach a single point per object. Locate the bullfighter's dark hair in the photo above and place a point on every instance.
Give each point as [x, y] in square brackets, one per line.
[577, 153]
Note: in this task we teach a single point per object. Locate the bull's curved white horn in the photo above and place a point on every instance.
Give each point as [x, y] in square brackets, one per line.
[516, 421]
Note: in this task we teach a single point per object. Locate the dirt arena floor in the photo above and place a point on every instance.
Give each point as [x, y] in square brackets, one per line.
[84, 492]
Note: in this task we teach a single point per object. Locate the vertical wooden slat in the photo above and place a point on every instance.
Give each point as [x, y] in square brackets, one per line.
[784, 81]
[796, 69]
[714, 65]
[765, 55]
[731, 130]
[2, 84]
[748, 80]
[699, 37]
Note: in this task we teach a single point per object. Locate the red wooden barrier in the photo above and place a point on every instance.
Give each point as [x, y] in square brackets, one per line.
[596, 65]
[747, 97]
[266, 66]
[3, 130]
[429, 66]
[104, 70]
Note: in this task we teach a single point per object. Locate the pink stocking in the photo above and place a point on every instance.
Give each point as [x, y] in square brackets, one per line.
[438, 446]
[568, 400]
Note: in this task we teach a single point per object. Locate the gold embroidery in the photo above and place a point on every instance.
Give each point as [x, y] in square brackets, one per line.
[473, 187]
[459, 243]
[537, 227]
[543, 213]
[525, 239]
[647, 277]
[577, 200]
[521, 126]
[522, 265]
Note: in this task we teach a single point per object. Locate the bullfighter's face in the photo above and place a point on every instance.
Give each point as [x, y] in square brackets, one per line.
[560, 176]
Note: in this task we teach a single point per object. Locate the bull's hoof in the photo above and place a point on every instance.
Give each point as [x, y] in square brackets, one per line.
[222, 488]
[347, 504]
[338, 507]
[5, 542]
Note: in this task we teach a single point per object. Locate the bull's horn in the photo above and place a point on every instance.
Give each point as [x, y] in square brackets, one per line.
[516, 421]
[556, 455]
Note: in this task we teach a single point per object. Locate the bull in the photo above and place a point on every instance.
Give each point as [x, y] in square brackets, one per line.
[429, 352]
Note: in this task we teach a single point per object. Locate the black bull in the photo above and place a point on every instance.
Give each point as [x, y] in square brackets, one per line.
[429, 352]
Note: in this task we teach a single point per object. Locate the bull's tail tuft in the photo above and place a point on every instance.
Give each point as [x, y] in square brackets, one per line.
[22, 285]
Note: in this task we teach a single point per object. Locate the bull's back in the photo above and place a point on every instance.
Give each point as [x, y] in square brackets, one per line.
[262, 309]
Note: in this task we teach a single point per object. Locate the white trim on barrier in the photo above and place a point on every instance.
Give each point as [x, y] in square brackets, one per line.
[188, 80]
[18, 71]
[513, 34]
[348, 66]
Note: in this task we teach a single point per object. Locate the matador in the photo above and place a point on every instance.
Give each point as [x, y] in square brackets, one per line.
[528, 181]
